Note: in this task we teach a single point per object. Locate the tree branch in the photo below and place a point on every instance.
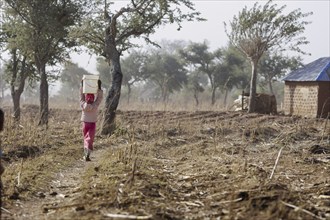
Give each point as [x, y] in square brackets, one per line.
[138, 32]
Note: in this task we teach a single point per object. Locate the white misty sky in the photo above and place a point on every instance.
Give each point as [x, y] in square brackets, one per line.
[218, 11]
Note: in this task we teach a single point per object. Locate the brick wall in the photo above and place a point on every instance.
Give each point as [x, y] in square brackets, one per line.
[324, 99]
[301, 98]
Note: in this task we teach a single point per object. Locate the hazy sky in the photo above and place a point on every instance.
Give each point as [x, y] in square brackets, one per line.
[218, 11]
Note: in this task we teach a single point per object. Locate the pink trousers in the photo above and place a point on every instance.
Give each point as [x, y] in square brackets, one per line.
[89, 129]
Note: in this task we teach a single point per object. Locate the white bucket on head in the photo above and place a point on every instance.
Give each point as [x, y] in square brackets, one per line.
[90, 83]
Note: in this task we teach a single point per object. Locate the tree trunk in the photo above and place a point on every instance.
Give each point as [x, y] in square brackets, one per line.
[128, 92]
[213, 87]
[16, 93]
[196, 97]
[213, 95]
[112, 99]
[253, 87]
[270, 86]
[225, 99]
[13, 79]
[44, 109]
[17, 109]
[2, 83]
[164, 94]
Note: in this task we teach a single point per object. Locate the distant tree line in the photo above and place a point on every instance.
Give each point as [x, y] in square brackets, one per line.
[179, 65]
[41, 34]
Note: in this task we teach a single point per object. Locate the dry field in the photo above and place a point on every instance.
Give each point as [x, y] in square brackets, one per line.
[168, 165]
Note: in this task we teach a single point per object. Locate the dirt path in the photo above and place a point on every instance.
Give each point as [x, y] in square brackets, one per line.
[61, 198]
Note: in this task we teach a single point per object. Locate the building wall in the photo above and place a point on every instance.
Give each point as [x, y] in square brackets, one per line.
[301, 98]
[324, 99]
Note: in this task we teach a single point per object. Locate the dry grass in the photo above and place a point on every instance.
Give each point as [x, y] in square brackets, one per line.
[182, 165]
[32, 154]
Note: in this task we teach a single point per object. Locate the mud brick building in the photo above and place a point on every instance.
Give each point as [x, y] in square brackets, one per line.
[307, 90]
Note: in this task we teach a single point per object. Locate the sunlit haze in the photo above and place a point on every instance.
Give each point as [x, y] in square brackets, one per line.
[217, 12]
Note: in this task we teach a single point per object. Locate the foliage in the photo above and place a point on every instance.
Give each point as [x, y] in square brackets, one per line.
[225, 67]
[19, 61]
[233, 71]
[43, 39]
[19, 68]
[166, 71]
[198, 55]
[42, 36]
[71, 77]
[132, 67]
[103, 68]
[112, 36]
[196, 84]
[138, 19]
[262, 28]
[273, 66]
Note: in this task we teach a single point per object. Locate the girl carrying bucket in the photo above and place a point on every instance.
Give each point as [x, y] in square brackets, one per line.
[89, 104]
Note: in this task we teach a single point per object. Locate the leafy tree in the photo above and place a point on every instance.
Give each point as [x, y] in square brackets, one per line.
[139, 18]
[166, 72]
[275, 66]
[231, 72]
[132, 66]
[19, 67]
[196, 84]
[262, 28]
[71, 77]
[43, 36]
[104, 71]
[31, 92]
[198, 55]
[18, 70]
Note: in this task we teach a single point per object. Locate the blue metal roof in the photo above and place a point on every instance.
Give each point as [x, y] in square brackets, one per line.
[318, 70]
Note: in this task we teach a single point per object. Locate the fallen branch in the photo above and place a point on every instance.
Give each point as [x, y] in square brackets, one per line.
[2, 208]
[196, 203]
[47, 207]
[225, 202]
[276, 162]
[324, 197]
[126, 216]
[296, 208]
[19, 174]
